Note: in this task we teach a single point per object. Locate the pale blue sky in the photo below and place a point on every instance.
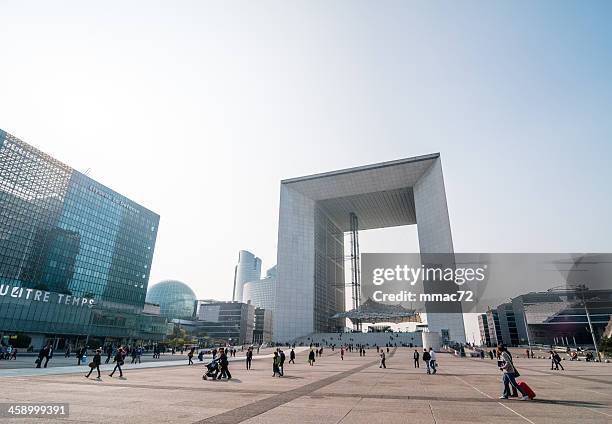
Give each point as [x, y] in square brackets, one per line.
[198, 109]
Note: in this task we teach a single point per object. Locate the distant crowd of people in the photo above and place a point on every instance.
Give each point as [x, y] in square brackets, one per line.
[8, 352]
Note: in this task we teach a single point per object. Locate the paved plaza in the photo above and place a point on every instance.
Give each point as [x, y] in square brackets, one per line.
[333, 391]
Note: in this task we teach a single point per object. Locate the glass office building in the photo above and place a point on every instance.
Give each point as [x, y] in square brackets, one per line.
[262, 331]
[555, 317]
[231, 322]
[75, 256]
[261, 293]
[248, 269]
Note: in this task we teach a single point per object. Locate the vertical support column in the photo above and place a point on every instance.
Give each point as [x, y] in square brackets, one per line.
[433, 226]
[294, 297]
[355, 267]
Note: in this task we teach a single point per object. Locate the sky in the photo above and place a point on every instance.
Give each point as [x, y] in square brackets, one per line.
[197, 110]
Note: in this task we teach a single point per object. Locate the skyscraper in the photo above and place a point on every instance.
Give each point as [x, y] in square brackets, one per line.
[248, 269]
[261, 293]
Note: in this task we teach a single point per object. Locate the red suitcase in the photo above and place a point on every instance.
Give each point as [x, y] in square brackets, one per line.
[526, 389]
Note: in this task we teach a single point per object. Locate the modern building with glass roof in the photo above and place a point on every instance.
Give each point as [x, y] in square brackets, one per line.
[75, 256]
[176, 300]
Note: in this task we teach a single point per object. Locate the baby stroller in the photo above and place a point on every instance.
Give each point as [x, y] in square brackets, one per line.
[212, 370]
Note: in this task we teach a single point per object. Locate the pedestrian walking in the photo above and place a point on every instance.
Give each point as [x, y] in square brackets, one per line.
[190, 356]
[44, 354]
[382, 360]
[224, 365]
[426, 360]
[119, 361]
[311, 357]
[249, 358]
[282, 362]
[95, 363]
[342, 353]
[81, 352]
[276, 365]
[416, 355]
[292, 357]
[109, 353]
[555, 361]
[432, 361]
[510, 373]
[41, 355]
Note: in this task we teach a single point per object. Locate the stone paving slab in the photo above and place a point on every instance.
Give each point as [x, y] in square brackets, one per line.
[355, 390]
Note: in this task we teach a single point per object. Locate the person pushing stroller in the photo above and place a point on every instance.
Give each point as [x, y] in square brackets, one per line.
[212, 370]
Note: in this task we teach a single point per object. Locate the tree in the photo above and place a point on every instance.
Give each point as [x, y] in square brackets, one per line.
[605, 346]
[179, 337]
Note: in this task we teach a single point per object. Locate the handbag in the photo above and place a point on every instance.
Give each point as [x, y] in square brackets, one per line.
[516, 373]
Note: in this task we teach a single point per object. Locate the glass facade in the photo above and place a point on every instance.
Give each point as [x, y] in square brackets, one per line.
[175, 299]
[262, 293]
[494, 327]
[560, 318]
[328, 274]
[84, 248]
[262, 331]
[232, 322]
[483, 325]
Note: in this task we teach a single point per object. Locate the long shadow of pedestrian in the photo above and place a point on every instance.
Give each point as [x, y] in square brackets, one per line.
[568, 402]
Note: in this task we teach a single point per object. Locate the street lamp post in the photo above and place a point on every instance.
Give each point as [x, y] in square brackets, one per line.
[582, 289]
